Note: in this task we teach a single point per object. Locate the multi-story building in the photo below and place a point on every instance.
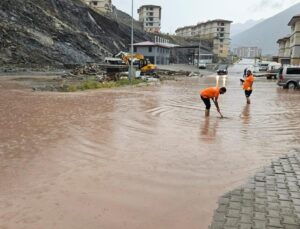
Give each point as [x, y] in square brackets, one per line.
[150, 16]
[217, 31]
[247, 52]
[289, 46]
[284, 53]
[295, 40]
[102, 5]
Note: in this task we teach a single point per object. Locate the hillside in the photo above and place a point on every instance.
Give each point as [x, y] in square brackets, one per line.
[266, 33]
[237, 28]
[39, 33]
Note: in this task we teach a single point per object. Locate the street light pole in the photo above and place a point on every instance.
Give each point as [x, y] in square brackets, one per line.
[131, 62]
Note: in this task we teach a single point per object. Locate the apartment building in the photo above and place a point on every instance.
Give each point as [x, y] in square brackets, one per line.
[295, 40]
[217, 31]
[289, 46]
[284, 53]
[150, 16]
[102, 5]
[247, 52]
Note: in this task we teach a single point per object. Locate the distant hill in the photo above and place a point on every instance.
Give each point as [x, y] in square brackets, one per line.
[266, 33]
[241, 27]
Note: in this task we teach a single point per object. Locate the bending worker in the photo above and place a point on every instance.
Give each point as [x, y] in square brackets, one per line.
[247, 85]
[213, 94]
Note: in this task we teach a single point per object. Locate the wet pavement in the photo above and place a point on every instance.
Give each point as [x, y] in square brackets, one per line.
[142, 157]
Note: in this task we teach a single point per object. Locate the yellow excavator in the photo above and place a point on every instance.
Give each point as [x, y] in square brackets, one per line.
[139, 61]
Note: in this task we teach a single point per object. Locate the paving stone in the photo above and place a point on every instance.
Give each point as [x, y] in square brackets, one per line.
[260, 208]
[219, 217]
[246, 218]
[296, 201]
[222, 209]
[286, 211]
[286, 204]
[260, 201]
[248, 196]
[274, 222]
[217, 225]
[236, 198]
[297, 208]
[273, 206]
[273, 213]
[271, 193]
[235, 205]
[245, 226]
[284, 197]
[247, 210]
[273, 199]
[289, 220]
[260, 216]
[231, 222]
[233, 213]
[223, 200]
[292, 226]
[258, 224]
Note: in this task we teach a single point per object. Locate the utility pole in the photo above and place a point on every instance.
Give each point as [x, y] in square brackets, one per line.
[199, 55]
[131, 62]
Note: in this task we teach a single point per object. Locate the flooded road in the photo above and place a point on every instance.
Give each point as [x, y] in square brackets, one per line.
[136, 158]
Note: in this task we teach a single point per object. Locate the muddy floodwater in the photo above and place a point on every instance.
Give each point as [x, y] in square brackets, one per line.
[136, 158]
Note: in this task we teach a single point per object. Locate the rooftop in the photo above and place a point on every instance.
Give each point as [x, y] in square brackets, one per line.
[294, 20]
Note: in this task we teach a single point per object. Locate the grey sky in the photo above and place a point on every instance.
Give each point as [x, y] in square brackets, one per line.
[177, 13]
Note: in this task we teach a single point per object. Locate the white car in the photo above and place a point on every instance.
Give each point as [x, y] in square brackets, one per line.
[202, 66]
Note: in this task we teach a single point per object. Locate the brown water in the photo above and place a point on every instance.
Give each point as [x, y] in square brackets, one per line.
[135, 157]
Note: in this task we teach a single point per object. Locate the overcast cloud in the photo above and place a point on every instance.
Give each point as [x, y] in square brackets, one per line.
[178, 13]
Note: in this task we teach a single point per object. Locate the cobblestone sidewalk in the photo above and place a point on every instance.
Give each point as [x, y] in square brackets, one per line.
[271, 199]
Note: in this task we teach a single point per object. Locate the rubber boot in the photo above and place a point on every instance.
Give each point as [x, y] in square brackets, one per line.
[206, 113]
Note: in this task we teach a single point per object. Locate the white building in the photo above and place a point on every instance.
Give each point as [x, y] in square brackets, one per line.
[247, 52]
[150, 16]
[102, 5]
[218, 31]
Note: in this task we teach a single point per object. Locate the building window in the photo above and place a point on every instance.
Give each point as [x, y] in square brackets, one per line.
[222, 29]
[221, 34]
[221, 51]
[134, 49]
[222, 24]
[150, 49]
[221, 40]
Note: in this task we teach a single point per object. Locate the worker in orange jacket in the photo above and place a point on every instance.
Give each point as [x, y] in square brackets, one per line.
[248, 85]
[213, 94]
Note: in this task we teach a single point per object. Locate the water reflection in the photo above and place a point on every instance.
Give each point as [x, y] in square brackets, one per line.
[209, 128]
[245, 115]
[223, 78]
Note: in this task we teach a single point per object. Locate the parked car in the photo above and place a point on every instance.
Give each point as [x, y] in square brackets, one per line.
[202, 65]
[289, 77]
[222, 69]
[262, 67]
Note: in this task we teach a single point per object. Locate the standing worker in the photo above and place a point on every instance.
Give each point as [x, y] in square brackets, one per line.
[212, 93]
[247, 85]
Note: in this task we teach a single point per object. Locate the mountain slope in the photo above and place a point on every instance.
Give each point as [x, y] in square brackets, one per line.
[265, 34]
[58, 32]
[241, 27]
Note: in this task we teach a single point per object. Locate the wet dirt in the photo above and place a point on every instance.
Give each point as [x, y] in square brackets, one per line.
[136, 157]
